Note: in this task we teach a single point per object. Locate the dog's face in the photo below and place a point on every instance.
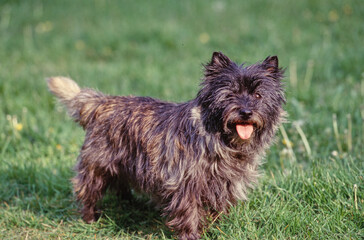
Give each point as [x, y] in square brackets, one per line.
[241, 102]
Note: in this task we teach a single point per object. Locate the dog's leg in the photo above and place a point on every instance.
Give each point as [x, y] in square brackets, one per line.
[122, 189]
[186, 215]
[89, 187]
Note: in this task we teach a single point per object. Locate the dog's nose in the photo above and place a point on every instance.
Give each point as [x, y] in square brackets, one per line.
[245, 113]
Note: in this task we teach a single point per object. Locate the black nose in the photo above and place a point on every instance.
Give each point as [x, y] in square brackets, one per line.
[245, 113]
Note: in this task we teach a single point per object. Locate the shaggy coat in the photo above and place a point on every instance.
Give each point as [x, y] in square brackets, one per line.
[189, 157]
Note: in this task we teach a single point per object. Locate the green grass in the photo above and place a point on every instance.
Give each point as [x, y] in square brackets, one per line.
[312, 184]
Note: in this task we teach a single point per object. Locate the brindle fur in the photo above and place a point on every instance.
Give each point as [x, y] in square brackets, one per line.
[186, 156]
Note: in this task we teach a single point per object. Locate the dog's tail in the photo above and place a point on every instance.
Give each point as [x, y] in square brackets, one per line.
[63, 88]
[80, 103]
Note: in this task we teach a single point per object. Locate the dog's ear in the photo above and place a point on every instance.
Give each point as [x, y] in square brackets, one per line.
[218, 61]
[271, 68]
[270, 64]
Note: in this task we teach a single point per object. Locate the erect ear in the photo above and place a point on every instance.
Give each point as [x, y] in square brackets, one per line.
[271, 64]
[219, 60]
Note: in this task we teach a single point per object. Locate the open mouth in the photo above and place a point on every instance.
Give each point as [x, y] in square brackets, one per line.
[245, 129]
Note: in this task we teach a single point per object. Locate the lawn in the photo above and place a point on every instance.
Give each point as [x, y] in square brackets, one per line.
[312, 184]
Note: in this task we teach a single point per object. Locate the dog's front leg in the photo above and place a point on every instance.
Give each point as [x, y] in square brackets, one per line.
[186, 214]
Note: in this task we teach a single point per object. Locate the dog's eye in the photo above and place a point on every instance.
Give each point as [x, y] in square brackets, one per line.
[257, 95]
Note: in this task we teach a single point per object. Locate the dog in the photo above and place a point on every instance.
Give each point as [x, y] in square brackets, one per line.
[194, 159]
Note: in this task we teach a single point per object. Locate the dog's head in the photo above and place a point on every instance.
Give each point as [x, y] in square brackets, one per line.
[241, 102]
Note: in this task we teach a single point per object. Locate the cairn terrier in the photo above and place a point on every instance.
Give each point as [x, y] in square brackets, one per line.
[194, 159]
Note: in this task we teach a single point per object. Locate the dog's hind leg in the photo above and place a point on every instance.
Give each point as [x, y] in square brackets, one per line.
[121, 186]
[89, 186]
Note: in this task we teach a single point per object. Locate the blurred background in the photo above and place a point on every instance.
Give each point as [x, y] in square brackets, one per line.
[157, 48]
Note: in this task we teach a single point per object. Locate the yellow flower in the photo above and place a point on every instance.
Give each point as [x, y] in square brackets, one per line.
[347, 9]
[204, 38]
[288, 144]
[18, 126]
[333, 16]
[44, 27]
[58, 146]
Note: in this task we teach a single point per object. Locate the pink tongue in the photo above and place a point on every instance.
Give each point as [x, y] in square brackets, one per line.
[244, 131]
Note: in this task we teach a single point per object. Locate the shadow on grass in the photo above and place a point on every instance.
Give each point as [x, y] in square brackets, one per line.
[47, 192]
[136, 216]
